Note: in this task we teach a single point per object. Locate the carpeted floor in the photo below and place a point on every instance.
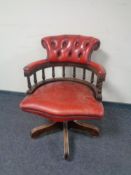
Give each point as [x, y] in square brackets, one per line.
[109, 154]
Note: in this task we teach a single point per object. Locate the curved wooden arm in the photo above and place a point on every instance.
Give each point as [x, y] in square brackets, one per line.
[98, 69]
[95, 68]
[34, 66]
[101, 73]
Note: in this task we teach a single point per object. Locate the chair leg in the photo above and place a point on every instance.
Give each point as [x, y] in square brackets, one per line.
[45, 128]
[92, 129]
[50, 127]
[66, 140]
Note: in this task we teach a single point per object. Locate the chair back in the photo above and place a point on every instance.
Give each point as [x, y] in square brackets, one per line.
[70, 48]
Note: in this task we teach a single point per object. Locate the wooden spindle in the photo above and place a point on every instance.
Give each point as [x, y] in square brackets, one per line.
[28, 82]
[63, 71]
[99, 85]
[84, 73]
[74, 72]
[35, 78]
[43, 74]
[92, 77]
[53, 72]
[99, 88]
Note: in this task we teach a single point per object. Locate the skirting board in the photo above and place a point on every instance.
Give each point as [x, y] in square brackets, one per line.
[24, 94]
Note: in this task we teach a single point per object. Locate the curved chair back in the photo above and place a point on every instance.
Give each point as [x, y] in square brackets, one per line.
[67, 51]
[70, 48]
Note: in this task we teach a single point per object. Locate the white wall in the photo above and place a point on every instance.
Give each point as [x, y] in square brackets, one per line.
[24, 22]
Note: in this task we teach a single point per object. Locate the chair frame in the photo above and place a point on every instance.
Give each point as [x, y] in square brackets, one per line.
[97, 89]
[77, 125]
[32, 69]
[65, 126]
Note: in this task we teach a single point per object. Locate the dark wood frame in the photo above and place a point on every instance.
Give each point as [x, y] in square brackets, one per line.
[97, 88]
[74, 125]
[77, 125]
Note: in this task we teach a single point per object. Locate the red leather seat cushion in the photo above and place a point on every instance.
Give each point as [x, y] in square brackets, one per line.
[63, 100]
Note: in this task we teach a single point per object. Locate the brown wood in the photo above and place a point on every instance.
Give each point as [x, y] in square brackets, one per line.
[29, 83]
[53, 72]
[74, 71]
[35, 78]
[84, 73]
[92, 77]
[86, 127]
[97, 89]
[63, 71]
[74, 125]
[43, 74]
[45, 128]
[66, 140]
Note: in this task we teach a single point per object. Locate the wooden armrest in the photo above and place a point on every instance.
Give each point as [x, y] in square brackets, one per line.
[98, 69]
[101, 73]
[33, 66]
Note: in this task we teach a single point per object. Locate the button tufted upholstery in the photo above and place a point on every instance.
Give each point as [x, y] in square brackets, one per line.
[71, 48]
[66, 99]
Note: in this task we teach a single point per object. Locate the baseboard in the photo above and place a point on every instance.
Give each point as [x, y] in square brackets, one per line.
[119, 104]
[105, 102]
[12, 92]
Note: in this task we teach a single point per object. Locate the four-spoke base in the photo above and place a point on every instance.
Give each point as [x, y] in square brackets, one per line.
[76, 125]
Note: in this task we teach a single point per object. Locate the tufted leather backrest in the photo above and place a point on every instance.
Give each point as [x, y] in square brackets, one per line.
[70, 48]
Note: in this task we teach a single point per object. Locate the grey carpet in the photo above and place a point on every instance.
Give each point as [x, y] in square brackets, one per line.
[109, 154]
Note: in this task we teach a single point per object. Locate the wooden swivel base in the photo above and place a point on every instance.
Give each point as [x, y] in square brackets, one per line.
[77, 125]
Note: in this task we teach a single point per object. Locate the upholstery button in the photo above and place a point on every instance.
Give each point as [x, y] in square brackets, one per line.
[70, 53]
[64, 44]
[53, 44]
[77, 44]
[79, 54]
[58, 53]
[86, 44]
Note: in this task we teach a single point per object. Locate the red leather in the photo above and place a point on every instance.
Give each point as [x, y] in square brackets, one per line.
[63, 100]
[97, 68]
[34, 65]
[70, 48]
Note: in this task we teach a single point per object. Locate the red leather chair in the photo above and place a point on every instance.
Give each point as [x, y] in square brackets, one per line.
[65, 100]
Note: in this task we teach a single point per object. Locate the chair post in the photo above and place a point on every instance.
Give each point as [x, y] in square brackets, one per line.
[66, 140]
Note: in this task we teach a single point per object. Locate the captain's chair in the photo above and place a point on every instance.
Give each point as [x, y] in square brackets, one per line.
[66, 100]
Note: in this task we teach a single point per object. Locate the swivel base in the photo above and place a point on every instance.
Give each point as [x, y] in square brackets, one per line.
[75, 125]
